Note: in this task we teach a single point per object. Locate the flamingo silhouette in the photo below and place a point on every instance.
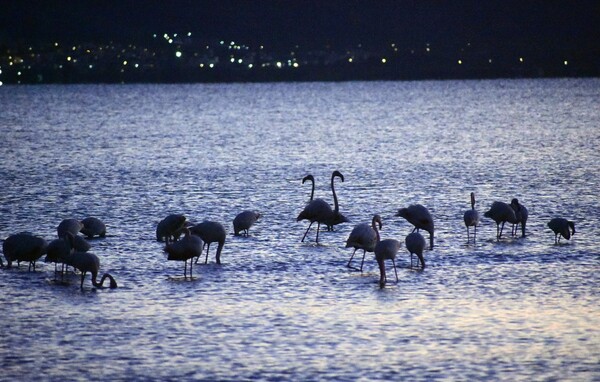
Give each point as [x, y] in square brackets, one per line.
[415, 244]
[69, 225]
[23, 247]
[363, 237]
[88, 262]
[419, 216]
[501, 212]
[561, 227]
[385, 250]
[210, 232]
[58, 250]
[187, 248]
[521, 214]
[243, 221]
[320, 211]
[93, 227]
[471, 218]
[169, 228]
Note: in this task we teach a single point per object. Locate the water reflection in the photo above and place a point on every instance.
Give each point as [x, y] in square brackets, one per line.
[518, 308]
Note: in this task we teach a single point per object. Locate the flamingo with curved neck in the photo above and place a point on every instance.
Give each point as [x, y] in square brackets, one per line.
[385, 250]
[336, 216]
[363, 237]
[310, 178]
[88, 262]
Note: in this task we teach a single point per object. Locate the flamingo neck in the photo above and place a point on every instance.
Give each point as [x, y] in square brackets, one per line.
[335, 200]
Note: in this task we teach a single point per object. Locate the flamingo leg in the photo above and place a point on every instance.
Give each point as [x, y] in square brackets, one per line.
[475, 234]
[191, 265]
[395, 271]
[363, 259]
[468, 235]
[318, 228]
[207, 248]
[305, 233]
[351, 257]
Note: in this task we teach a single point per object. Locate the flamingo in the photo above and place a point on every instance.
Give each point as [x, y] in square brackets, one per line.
[320, 211]
[521, 214]
[243, 221]
[501, 212]
[58, 250]
[23, 247]
[185, 249]
[69, 225]
[336, 218]
[210, 232]
[170, 227]
[88, 262]
[363, 237]
[415, 244]
[561, 227]
[385, 250]
[471, 218]
[93, 227]
[420, 217]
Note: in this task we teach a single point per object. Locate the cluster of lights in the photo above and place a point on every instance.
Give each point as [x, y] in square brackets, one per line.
[127, 56]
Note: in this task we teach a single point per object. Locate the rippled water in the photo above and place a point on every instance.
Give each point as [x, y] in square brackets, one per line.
[279, 309]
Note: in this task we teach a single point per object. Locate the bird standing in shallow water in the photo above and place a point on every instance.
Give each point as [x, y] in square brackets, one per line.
[88, 262]
[210, 232]
[420, 217]
[170, 227]
[471, 218]
[521, 214]
[501, 212]
[243, 221]
[23, 247]
[320, 211]
[363, 237]
[187, 248]
[385, 250]
[415, 244]
[93, 227]
[561, 227]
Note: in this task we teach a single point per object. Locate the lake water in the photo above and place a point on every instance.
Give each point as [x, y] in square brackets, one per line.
[279, 309]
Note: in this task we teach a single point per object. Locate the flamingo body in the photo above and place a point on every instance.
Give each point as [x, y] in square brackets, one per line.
[419, 216]
[363, 236]
[69, 225]
[501, 213]
[521, 215]
[561, 227]
[170, 227]
[386, 250]
[93, 227]
[187, 248]
[88, 262]
[415, 244]
[471, 218]
[243, 221]
[23, 247]
[210, 232]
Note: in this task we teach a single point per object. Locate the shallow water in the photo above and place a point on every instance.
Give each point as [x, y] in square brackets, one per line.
[279, 309]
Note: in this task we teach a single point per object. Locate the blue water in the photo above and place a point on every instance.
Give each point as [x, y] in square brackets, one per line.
[278, 309]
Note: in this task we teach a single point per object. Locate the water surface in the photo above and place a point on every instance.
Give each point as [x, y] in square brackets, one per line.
[279, 309]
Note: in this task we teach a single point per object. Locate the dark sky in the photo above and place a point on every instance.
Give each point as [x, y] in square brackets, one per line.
[309, 22]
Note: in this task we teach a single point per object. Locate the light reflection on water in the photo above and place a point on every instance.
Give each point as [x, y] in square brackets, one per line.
[276, 309]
